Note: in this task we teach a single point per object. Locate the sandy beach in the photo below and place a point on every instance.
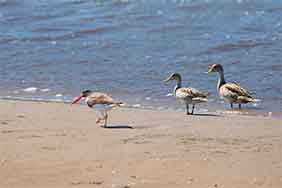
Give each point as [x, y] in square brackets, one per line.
[58, 145]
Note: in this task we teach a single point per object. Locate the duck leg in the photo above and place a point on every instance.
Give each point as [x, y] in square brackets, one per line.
[231, 105]
[193, 107]
[105, 120]
[187, 109]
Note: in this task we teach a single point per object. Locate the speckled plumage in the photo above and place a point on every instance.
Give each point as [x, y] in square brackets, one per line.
[231, 92]
[187, 94]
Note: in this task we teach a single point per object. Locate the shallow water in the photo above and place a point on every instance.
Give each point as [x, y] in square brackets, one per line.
[52, 49]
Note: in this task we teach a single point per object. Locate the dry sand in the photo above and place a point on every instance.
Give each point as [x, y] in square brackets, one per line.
[56, 145]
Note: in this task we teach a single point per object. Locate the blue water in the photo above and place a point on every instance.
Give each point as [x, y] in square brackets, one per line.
[53, 49]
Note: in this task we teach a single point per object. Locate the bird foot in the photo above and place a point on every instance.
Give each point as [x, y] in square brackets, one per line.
[98, 120]
[189, 113]
[104, 126]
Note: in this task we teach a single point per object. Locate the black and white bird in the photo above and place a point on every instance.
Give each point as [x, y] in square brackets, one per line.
[101, 102]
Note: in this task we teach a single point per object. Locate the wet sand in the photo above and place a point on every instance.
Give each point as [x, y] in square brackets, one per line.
[56, 145]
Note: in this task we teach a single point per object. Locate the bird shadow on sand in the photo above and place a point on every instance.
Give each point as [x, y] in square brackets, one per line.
[118, 127]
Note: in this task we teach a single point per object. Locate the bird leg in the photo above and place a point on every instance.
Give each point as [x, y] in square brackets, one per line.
[231, 105]
[98, 120]
[187, 109]
[193, 109]
[105, 120]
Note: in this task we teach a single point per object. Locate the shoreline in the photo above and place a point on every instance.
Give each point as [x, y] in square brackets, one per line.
[227, 111]
[58, 145]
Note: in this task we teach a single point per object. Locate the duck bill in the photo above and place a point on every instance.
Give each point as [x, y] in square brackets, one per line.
[209, 71]
[75, 100]
[168, 79]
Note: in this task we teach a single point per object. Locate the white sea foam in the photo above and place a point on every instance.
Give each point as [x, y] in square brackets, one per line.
[45, 90]
[159, 12]
[54, 42]
[136, 105]
[161, 108]
[203, 110]
[31, 89]
[169, 94]
[59, 95]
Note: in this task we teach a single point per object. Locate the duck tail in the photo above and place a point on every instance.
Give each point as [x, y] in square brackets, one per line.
[247, 99]
[199, 99]
[207, 94]
[256, 100]
[119, 104]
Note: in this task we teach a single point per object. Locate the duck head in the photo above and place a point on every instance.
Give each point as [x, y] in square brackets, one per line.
[83, 95]
[173, 76]
[215, 68]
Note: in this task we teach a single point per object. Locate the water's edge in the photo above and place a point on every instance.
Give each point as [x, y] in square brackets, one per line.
[214, 112]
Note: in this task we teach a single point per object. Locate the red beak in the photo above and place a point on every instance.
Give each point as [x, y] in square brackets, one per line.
[75, 100]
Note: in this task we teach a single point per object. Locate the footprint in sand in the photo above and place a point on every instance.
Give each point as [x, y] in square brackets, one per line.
[4, 123]
[50, 148]
[87, 182]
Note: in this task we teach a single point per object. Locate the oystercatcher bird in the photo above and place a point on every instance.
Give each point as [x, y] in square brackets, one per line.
[101, 102]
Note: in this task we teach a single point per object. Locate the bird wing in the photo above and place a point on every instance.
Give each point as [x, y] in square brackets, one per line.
[190, 92]
[100, 98]
[237, 89]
